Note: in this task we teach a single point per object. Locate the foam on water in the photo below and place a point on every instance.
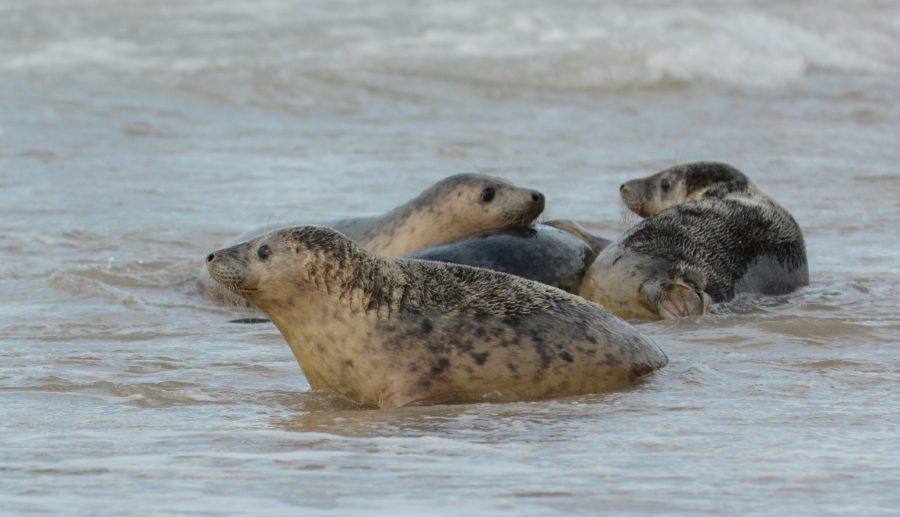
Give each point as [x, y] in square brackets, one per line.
[573, 45]
[71, 55]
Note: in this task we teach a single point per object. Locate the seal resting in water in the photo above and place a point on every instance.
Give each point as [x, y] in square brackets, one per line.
[454, 208]
[539, 252]
[709, 234]
[392, 332]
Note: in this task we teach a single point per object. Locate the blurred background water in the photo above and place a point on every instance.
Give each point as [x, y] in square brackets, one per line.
[136, 136]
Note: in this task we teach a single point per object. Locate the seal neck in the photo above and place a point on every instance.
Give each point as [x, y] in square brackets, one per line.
[408, 228]
[358, 279]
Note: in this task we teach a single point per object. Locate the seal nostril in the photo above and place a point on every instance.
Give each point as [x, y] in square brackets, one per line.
[210, 257]
[537, 197]
[621, 187]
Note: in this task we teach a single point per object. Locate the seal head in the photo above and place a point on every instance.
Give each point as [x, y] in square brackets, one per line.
[680, 184]
[452, 209]
[492, 203]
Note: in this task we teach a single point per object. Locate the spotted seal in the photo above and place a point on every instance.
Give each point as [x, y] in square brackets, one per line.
[709, 234]
[452, 209]
[392, 331]
[541, 252]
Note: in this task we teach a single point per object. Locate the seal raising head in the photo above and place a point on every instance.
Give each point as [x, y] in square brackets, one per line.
[393, 332]
[452, 209]
[708, 235]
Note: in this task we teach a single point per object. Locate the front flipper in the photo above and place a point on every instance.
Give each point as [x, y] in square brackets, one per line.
[677, 294]
[678, 300]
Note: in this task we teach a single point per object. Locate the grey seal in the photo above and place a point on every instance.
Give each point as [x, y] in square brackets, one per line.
[392, 331]
[708, 235]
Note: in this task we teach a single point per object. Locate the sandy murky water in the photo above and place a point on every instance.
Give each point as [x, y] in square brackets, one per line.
[136, 136]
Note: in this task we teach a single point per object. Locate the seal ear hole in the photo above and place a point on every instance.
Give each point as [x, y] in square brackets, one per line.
[487, 195]
[263, 252]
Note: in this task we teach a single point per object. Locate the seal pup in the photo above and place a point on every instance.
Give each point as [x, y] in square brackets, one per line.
[709, 234]
[540, 252]
[392, 331]
[454, 208]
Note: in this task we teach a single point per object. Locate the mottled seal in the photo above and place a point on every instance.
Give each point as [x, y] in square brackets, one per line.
[709, 234]
[392, 331]
[539, 252]
[454, 208]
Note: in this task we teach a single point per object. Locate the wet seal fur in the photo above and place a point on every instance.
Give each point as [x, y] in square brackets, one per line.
[709, 234]
[392, 332]
[454, 208]
[539, 252]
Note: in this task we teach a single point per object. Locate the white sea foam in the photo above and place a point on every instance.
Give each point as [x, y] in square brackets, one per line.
[752, 49]
[624, 47]
[75, 53]
[567, 46]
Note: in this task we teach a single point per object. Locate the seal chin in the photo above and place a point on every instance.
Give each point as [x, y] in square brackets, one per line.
[228, 279]
[629, 196]
[529, 214]
[240, 289]
[518, 219]
[634, 204]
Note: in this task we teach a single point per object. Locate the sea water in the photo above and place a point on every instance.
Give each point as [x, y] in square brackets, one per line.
[138, 136]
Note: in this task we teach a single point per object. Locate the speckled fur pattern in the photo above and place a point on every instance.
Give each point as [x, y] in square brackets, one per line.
[451, 209]
[539, 252]
[392, 332]
[710, 234]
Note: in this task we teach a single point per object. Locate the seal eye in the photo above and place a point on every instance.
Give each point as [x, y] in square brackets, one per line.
[665, 185]
[263, 252]
[488, 194]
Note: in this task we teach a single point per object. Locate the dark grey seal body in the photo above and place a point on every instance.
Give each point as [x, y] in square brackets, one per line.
[709, 235]
[454, 208]
[539, 252]
[391, 332]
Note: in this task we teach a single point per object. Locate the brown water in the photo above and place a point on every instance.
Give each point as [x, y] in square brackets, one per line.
[137, 136]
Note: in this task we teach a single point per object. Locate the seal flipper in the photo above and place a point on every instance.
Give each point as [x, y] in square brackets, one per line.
[680, 300]
[678, 294]
[250, 321]
[598, 244]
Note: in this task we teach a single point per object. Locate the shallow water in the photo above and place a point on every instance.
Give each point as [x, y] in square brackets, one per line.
[137, 136]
